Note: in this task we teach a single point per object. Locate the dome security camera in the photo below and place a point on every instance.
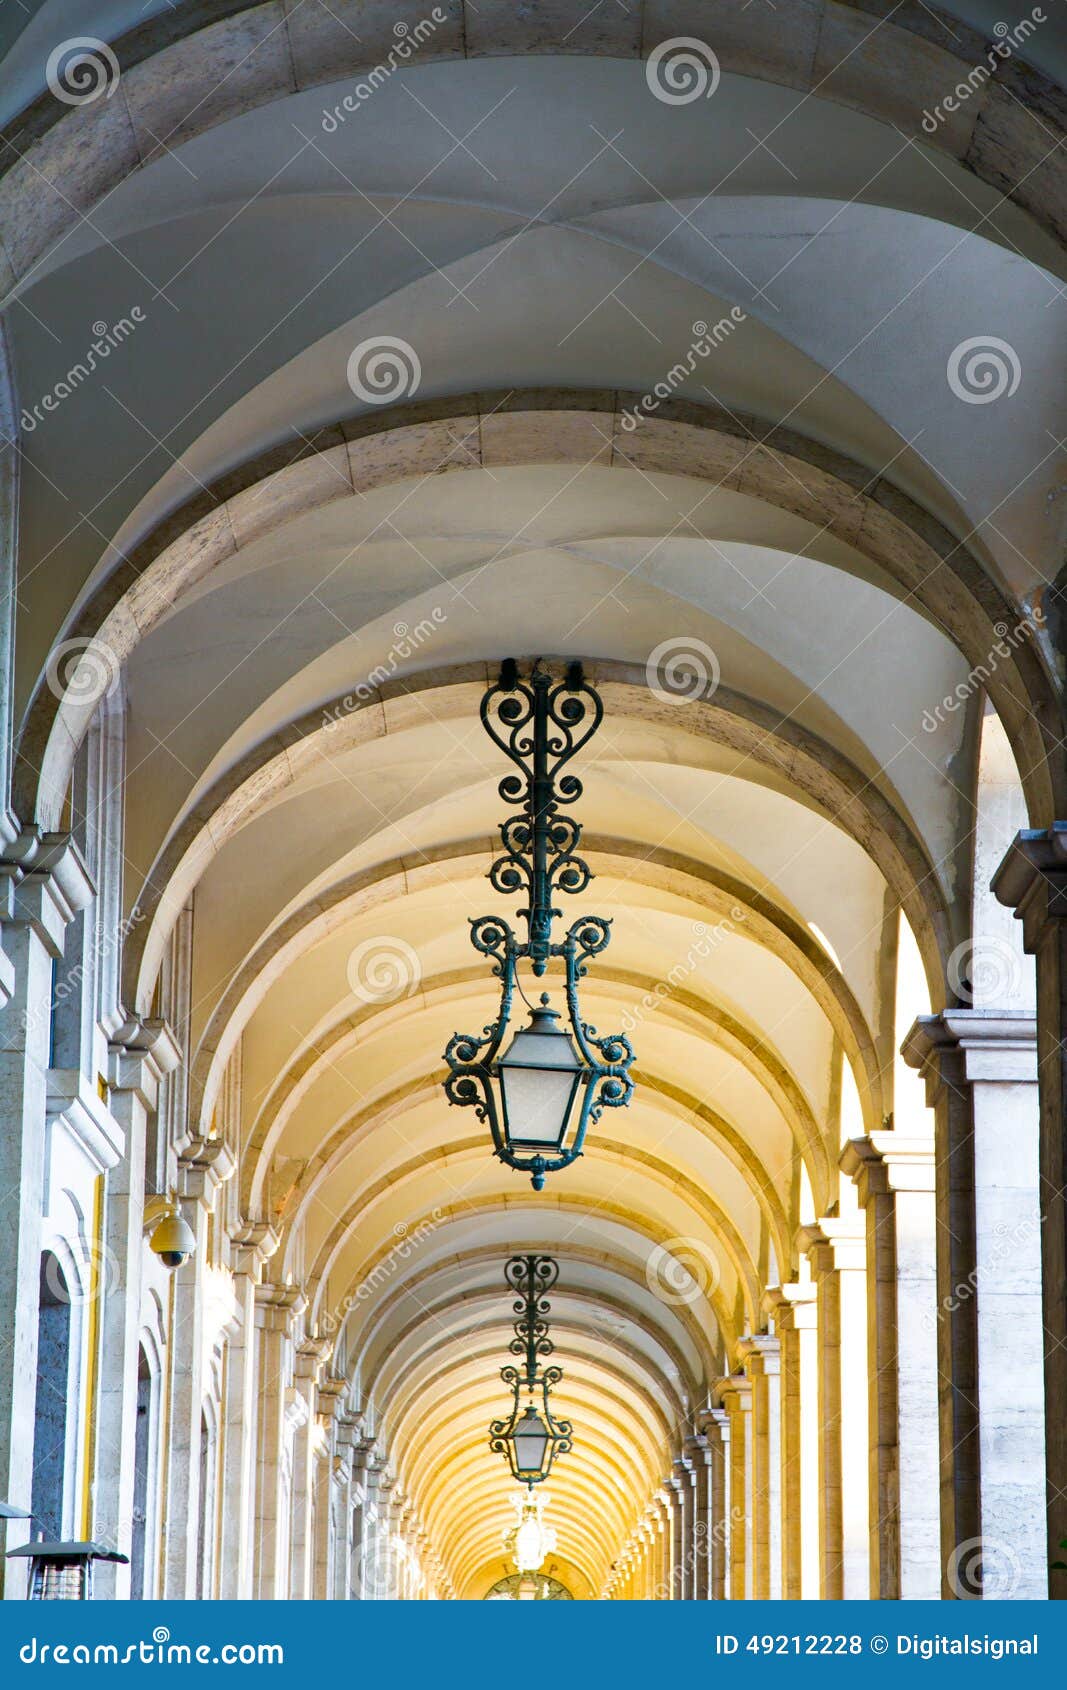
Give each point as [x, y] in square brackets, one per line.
[172, 1240]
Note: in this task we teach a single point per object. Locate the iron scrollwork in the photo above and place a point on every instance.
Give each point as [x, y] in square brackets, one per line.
[531, 1277]
[540, 724]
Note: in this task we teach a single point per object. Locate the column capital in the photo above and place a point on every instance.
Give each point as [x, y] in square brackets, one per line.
[888, 1161]
[330, 1398]
[140, 1052]
[834, 1244]
[734, 1392]
[792, 1307]
[44, 883]
[311, 1356]
[960, 1046]
[760, 1353]
[203, 1166]
[1032, 879]
[253, 1244]
[714, 1426]
[279, 1307]
[697, 1452]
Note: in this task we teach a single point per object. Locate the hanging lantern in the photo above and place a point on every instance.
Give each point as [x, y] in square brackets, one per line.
[531, 1437]
[541, 1095]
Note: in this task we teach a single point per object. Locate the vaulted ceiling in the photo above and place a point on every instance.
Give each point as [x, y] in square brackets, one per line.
[308, 589]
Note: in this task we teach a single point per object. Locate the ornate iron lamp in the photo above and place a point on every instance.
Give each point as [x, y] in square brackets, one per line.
[541, 1093]
[531, 1437]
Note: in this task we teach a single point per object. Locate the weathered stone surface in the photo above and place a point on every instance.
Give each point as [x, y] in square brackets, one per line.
[576, 437]
[62, 177]
[214, 75]
[1021, 150]
[675, 449]
[348, 36]
[552, 26]
[856, 66]
[426, 449]
[302, 487]
[777, 47]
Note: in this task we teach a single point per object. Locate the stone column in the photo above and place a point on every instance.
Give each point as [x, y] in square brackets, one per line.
[685, 1578]
[278, 1310]
[662, 1513]
[252, 1246]
[676, 1486]
[364, 1493]
[39, 894]
[698, 1455]
[980, 1068]
[374, 1522]
[894, 1174]
[201, 1170]
[139, 1056]
[714, 1425]
[735, 1394]
[308, 1446]
[793, 1309]
[837, 1251]
[1032, 880]
[350, 1522]
[333, 1487]
[761, 1359]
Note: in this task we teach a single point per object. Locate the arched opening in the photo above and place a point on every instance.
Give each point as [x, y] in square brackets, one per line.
[767, 445]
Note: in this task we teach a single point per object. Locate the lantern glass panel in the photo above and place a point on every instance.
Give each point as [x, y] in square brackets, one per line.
[530, 1439]
[539, 1075]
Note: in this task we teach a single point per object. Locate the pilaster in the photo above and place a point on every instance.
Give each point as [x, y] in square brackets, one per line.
[980, 1068]
[836, 1248]
[735, 1395]
[894, 1176]
[1032, 880]
[761, 1359]
[793, 1310]
[140, 1054]
[43, 884]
